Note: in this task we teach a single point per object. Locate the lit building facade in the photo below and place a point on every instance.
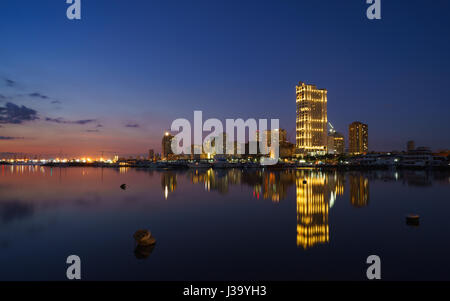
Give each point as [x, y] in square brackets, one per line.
[358, 138]
[151, 154]
[166, 146]
[410, 146]
[311, 121]
[338, 143]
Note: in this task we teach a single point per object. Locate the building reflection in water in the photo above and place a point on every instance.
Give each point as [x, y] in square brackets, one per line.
[216, 180]
[316, 193]
[314, 198]
[359, 190]
[168, 182]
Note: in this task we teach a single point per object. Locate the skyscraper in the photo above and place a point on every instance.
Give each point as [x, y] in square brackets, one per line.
[410, 146]
[311, 122]
[339, 143]
[151, 154]
[166, 145]
[358, 138]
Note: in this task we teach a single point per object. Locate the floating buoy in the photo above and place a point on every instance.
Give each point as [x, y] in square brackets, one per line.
[412, 220]
[142, 252]
[304, 181]
[144, 238]
[123, 186]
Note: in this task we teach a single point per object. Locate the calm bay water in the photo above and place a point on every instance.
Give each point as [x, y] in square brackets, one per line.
[223, 224]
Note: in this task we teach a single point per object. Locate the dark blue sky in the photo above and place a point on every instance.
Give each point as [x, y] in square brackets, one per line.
[128, 68]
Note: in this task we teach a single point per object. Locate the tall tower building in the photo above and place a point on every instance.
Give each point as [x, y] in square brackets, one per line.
[311, 123]
[410, 146]
[358, 138]
[166, 145]
[339, 143]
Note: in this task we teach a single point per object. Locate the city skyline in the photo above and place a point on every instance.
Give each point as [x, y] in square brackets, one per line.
[116, 89]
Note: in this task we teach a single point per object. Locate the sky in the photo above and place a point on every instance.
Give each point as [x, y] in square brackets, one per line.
[116, 79]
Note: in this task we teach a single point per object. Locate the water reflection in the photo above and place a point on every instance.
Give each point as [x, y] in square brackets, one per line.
[359, 190]
[316, 192]
[309, 215]
[168, 182]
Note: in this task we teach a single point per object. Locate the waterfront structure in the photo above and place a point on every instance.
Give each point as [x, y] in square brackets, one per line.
[335, 143]
[311, 121]
[358, 138]
[267, 135]
[339, 143]
[167, 146]
[151, 154]
[410, 146]
[330, 144]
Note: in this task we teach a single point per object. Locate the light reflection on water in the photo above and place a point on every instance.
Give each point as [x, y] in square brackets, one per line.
[310, 220]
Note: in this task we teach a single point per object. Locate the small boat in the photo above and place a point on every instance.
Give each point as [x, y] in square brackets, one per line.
[145, 243]
[412, 220]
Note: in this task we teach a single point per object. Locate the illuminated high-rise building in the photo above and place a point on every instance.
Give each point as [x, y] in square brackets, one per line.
[311, 122]
[166, 145]
[358, 138]
[339, 143]
[410, 146]
[151, 154]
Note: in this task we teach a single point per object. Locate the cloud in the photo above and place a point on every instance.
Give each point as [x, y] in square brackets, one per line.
[56, 102]
[12, 113]
[62, 121]
[38, 95]
[92, 131]
[3, 97]
[10, 138]
[132, 125]
[9, 82]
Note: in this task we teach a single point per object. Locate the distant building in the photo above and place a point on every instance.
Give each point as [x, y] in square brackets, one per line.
[311, 121]
[358, 138]
[167, 146]
[410, 146]
[267, 135]
[330, 144]
[339, 143]
[151, 154]
[336, 143]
